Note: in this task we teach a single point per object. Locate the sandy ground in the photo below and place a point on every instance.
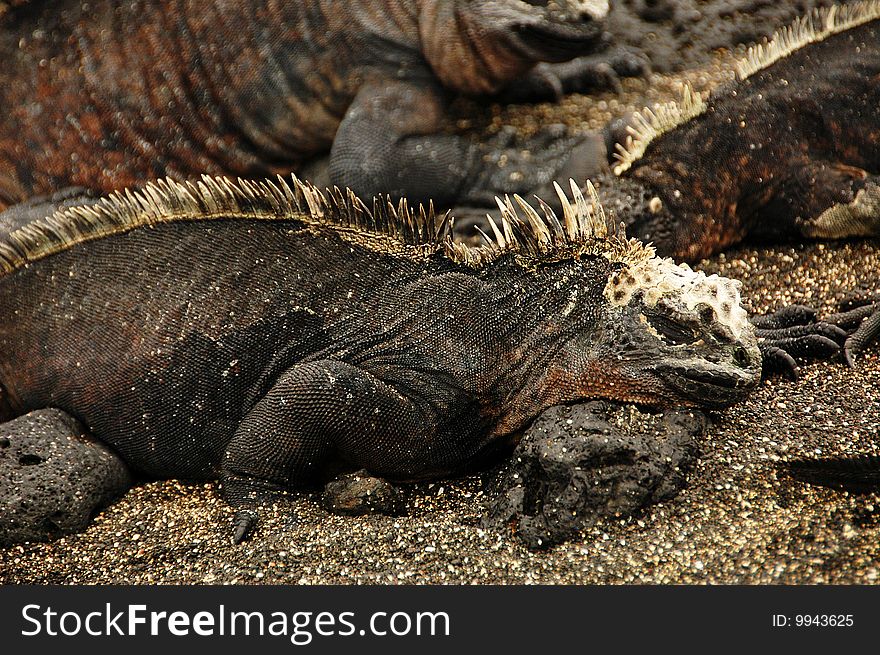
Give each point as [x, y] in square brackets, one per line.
[738, 520]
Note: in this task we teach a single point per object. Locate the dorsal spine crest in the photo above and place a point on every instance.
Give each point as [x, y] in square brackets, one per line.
[586, 227]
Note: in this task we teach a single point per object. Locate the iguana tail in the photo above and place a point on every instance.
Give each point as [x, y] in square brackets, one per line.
[859, 474]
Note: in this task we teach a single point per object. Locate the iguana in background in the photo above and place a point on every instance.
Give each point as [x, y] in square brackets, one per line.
[253, 330]
[108, 95]
[789, 150]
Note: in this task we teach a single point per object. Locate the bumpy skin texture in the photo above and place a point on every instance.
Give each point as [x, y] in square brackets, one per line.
[106, 95]
[770, 155]
[258, 350]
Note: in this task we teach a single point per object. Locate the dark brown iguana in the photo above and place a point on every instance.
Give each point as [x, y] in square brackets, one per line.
[107, 95]
[789, 150]
[252, 331]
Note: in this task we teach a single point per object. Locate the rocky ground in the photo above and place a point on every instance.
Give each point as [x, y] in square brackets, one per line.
[739, 519]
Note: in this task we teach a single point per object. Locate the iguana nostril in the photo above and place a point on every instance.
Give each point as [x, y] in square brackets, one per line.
[741, 357]
[588, 10]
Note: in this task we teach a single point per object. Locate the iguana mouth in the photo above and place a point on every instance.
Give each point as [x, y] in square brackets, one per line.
[567, 28]
[550, 41]
[709, 386]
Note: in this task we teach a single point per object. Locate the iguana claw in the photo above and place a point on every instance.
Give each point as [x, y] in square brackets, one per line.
[775, 359]
[864, 334]
[245, 522]
[794, 332]
[861, 317]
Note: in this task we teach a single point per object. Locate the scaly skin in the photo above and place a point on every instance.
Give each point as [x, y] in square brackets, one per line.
[122, 93]
[256, 348]
[768, 158]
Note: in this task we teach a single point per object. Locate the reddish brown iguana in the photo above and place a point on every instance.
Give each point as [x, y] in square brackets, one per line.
[106, 95]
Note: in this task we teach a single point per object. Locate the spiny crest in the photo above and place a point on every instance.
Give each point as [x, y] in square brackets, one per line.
[649, 123]
[584, 229]
[167, 201]
[815, 26]
[385, 227]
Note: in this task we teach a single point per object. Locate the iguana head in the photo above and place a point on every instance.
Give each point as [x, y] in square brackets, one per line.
[672, 335]
[625, 324]
[551, 30]
[479, 46]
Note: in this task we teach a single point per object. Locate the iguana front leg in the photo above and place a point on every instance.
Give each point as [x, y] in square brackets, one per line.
[591, 74]
[391, 141]
[328, 407]
[820, 199]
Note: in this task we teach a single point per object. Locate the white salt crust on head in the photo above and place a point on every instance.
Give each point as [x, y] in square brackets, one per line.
[681, 289]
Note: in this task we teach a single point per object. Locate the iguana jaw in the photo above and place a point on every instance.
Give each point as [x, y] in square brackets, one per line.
[650, 373]
[555, 30]
[704, 384]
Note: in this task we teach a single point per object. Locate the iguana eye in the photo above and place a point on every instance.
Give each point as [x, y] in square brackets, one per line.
[671, 330]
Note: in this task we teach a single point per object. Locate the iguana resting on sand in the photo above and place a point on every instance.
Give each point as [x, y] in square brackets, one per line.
[108, 95]
[252, 331]
[789, 150]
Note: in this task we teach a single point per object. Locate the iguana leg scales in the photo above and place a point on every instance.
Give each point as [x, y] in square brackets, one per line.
[775, 359]
[862, 320]
[863, 335]
[323, 408]
[852, 318]
[788, 316]
[381, 148]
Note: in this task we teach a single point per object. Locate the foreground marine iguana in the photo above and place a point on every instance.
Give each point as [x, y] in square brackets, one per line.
[789, 149]
[253, 330]
[107, 95]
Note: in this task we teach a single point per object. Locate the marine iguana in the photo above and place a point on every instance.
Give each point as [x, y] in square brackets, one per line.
[789, 149]
[253, 330]
[793, 144]
[107, 95]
